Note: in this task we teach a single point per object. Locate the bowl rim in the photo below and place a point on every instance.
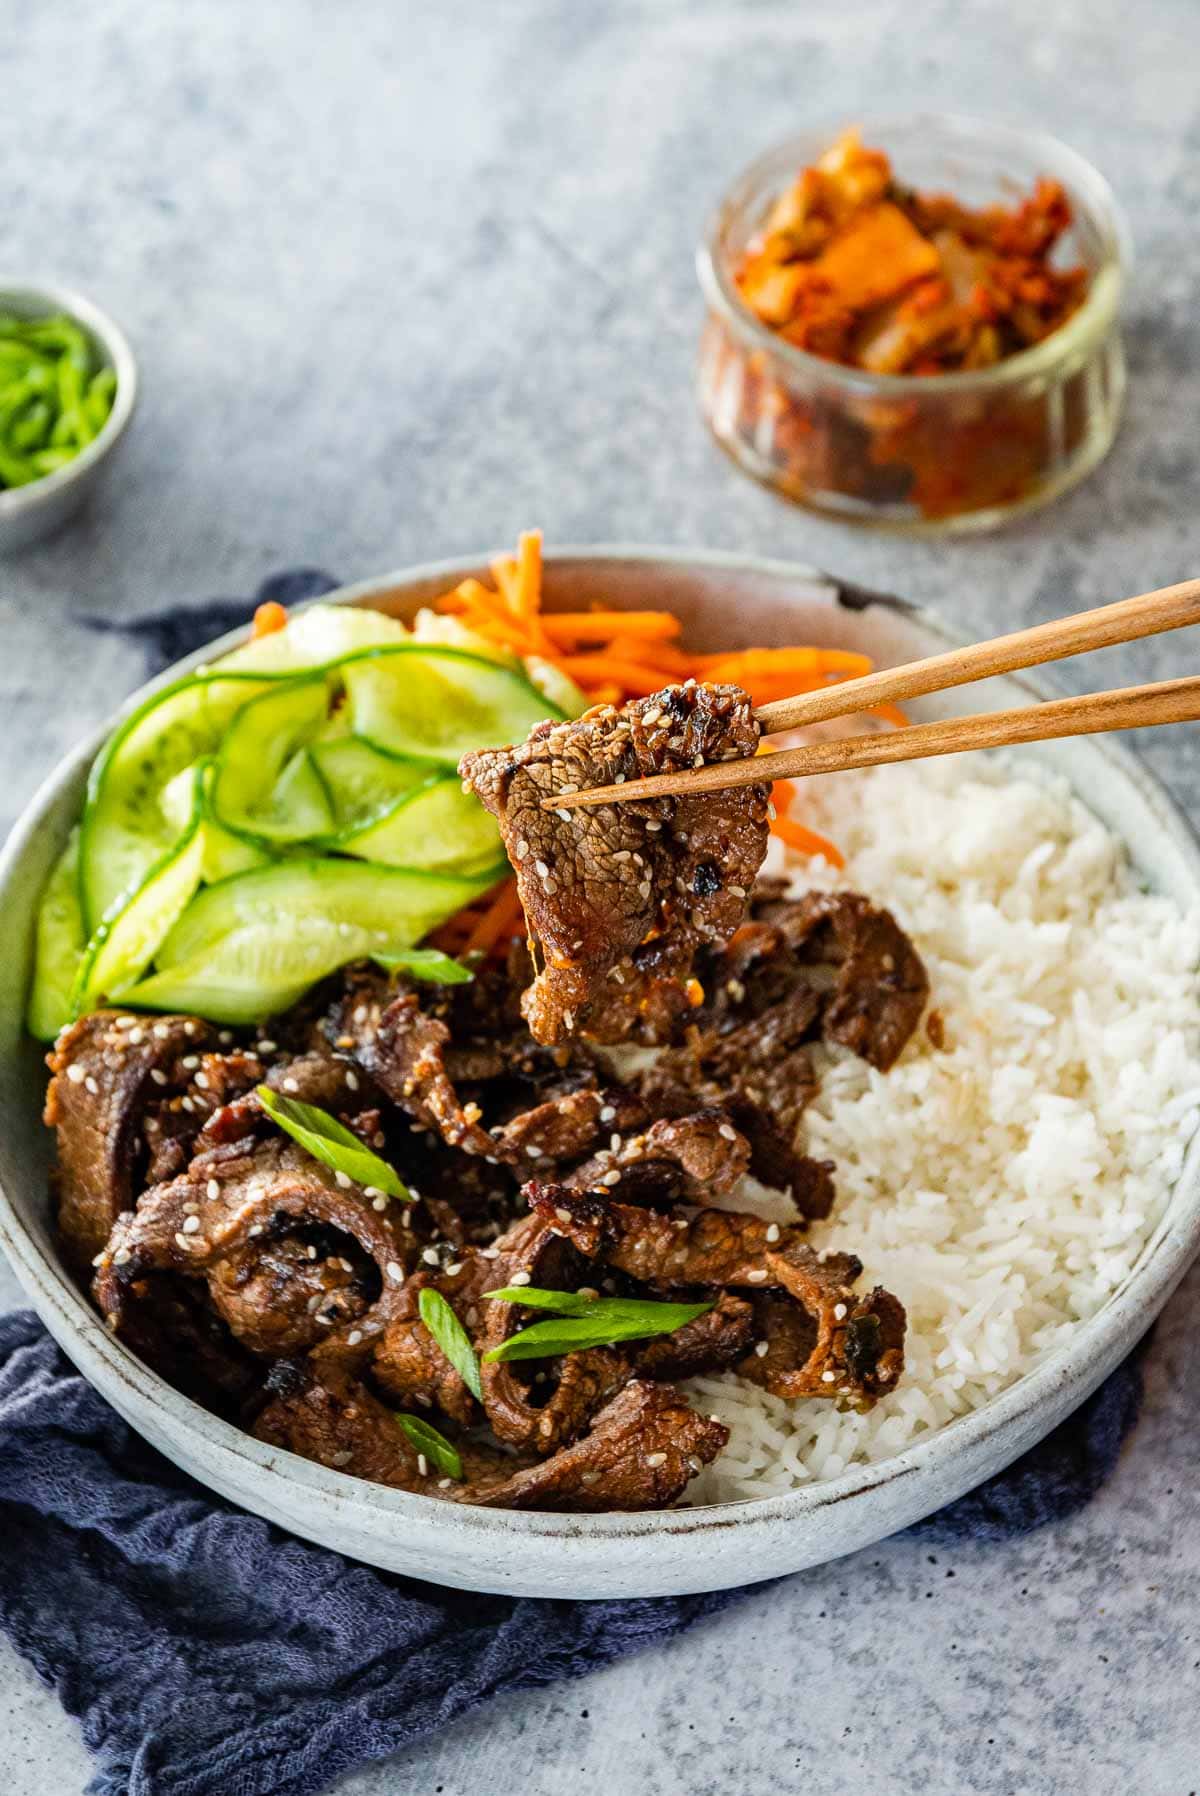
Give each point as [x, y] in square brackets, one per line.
[1075, 338]
[106, 330]
[1114, 1328]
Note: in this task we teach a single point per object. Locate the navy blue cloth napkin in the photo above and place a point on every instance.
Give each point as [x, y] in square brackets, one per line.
[206, 1653]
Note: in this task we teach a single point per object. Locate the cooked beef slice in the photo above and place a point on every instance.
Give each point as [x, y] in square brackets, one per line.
[618, 898]
[221, 1224]
[688, 1157]
[110, 1069]
[712, 1343]
[640, 1453]
[849, 1347]
[882, 986]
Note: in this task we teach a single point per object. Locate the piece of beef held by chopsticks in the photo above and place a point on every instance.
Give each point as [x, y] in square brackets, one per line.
[618, 898]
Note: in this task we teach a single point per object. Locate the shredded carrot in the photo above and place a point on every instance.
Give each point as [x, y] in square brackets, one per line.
[499, 922]
[634, 677]
[529, 573]
[806, 841]
[268, 619]
[573, 629]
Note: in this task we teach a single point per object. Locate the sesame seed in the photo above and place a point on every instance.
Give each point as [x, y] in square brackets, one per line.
[161, 1031]
[192, 1225]
[89, 1084]
[422, 1465]
[738, 891]
[76, 1074]
[312, 1252]
[122, 1256]
[614, 1142]
[588, 1291]
[565, 815]
[727, 1132]
[186, 1103]
[291, 1084]
[212, 1189]
[827, 1377]
[699, 761]
[351, 1079]
[564, 1215]
[589, 1477]
[568, 1017]
[189, 1028]
[772, 813]
[191, 1061]
[653, 828]
[395, 1272]
[256, 1230]
[136, 1036]
[534, 1152]
[265, 1046]
[445, 1483]
[98, 1259]
[202, 1081]
[490, 1253]
[520, 850]
[372, 1191]
[354, 1337]
[225, 1037]
[520, 1278]
[181, 1240]
[541, 869]
[191, 1209]
[773, 1232]
[611, 1178]
[757, 1277]
[343, 1179]
[618, 779]
[839, 1310]
[656, 1459]
[694, 1464]
[341, 1459]
[379, 1203]
[762, 1348]
[608, 1112]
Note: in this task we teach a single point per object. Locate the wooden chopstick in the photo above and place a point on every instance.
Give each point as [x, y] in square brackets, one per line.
[1170, 701]
[1170, 608]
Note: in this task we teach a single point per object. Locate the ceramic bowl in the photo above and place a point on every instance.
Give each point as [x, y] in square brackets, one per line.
[29, 513]
[721, 598]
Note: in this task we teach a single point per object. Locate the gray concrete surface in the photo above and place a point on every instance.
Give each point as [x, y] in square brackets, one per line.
[404, 278]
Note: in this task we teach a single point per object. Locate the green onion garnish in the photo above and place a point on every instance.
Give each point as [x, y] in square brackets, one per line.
[427, 964]
[322, 1136]
[587, 1321]
[426, 1439]
[451, 1337]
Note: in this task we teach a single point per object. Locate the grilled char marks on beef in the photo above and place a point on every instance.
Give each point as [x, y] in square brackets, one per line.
[619, 897]
[112, 1072]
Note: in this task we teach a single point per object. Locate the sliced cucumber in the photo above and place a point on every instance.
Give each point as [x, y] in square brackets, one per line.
[363, 783]
[384, 906]
[315, 636]
[437, 825]
[253, 945]
[265, 786]
[126, 941]
[59, 945]
[125, 829]
[436, 704]
[224, 854]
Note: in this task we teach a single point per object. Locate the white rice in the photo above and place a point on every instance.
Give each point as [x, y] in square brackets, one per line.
[1004, 1187]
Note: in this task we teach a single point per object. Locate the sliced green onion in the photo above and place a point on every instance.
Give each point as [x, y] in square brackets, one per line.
[322, 1136]
[426, 1439]
[451, 1337]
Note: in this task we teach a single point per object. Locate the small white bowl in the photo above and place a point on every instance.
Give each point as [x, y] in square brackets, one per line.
[28, 513]
[719, 597]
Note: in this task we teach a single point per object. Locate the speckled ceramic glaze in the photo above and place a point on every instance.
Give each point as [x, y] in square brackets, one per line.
[723, 600]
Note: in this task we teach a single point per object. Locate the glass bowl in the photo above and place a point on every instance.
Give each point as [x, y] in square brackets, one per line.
[922, 453]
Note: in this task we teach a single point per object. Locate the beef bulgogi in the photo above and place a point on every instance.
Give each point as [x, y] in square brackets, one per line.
[619, 898]
[293, 1299]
